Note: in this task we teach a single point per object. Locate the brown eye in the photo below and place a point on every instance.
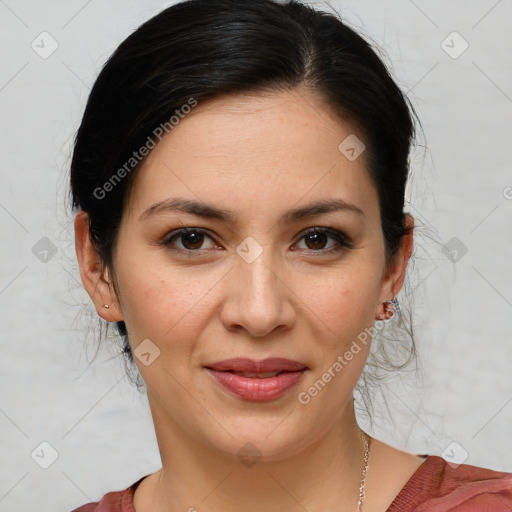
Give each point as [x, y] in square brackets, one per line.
[188, 240]
[316, 240]
[192, 240]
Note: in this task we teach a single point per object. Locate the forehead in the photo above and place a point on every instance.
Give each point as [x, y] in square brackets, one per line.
[253, 151]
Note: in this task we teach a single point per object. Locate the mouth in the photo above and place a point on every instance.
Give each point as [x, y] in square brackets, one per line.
[257, 380]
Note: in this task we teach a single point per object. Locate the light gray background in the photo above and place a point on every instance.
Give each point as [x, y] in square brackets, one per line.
[96, 421]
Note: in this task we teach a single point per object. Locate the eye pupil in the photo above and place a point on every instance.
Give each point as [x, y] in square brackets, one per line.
[317, 240]
[195, 238]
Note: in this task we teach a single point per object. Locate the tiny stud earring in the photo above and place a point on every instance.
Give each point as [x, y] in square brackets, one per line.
[106, 306]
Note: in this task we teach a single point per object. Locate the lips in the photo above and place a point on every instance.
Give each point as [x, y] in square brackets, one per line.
[258, 381]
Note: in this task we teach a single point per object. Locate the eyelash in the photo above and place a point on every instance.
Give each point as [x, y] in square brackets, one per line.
[343, 242]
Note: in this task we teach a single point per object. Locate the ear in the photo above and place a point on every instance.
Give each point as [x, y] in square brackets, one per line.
[394, 275]
[99, 288]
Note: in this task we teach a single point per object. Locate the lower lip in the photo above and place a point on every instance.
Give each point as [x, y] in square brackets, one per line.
[257, 390]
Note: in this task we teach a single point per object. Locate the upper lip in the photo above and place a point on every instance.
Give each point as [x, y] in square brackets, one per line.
[272, 364]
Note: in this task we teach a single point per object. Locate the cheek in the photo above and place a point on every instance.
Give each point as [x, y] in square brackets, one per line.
[169, 305]
[343, 301]
[169, 314]
[155, 307]
[343, 308]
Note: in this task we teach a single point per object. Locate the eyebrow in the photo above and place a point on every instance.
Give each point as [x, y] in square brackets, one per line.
[207, 211]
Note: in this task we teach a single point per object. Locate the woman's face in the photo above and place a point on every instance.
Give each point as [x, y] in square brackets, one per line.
[255, 285]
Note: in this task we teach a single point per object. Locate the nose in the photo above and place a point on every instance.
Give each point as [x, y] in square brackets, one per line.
[258, 298]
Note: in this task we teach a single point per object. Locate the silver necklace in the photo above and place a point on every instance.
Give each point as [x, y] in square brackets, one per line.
[366, 454]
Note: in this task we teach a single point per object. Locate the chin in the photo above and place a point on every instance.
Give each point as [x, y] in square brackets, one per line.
[264, 440]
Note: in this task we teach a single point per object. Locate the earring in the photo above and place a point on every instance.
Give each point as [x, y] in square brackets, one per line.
[106, 306]
[395, 309]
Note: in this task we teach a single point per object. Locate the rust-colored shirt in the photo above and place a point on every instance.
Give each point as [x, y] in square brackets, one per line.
[435, 486]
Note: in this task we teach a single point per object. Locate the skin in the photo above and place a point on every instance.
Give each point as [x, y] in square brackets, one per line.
[258, 156]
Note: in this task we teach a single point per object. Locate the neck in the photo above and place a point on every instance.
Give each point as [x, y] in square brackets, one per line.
[323, 476]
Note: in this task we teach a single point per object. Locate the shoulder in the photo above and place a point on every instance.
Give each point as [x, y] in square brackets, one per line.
[115, 501]
[441, 486]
